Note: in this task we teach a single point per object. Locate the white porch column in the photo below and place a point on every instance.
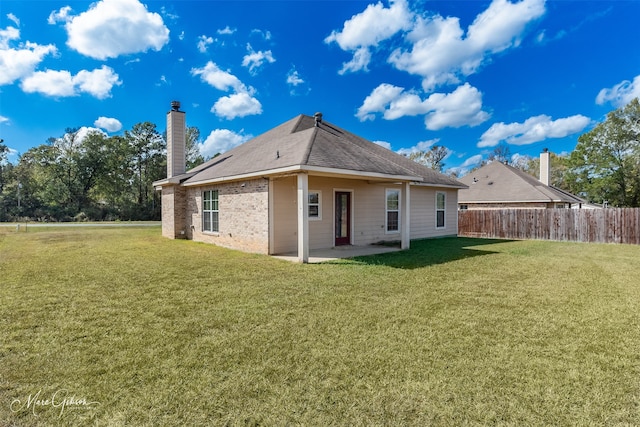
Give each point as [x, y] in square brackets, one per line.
[405, 234]
[303, 217]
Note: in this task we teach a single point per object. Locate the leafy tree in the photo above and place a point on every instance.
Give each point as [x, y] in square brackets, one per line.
[559, 166]
[606, 162]
[67, 169]
[192, 151]
[432, 158]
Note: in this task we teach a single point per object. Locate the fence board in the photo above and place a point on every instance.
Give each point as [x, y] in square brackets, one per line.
[619, 225]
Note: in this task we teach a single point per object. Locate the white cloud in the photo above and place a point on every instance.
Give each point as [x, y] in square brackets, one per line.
[368, 28]
[360, 61]
[108, 123]
[85, 130]
[620, 94]
[220, 141]
[13, 18]
[293, 78]
[111, 28]
[265, 35]
[463, 169]
[377, 101]
[236, 105]
[61, 15]
[240, 104]
[50, 83]
[226, 31]
[254, 60]
[297, 85]
[384, 144]
[203, 43]
[20, 61]
[221, 80]
[420, 146]
[4, 119]
[533, 129]
[97, 83]
[441, 52]
[462, 107]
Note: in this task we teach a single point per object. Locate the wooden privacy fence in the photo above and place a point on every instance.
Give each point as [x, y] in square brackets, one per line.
[577, 225]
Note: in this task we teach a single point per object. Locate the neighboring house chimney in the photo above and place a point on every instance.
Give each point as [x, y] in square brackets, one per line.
[545, 166]
[176, 139]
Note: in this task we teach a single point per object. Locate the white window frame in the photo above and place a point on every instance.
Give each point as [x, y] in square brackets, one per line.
[319, 204]
[387, 210]
[210, 212]
[443, 209]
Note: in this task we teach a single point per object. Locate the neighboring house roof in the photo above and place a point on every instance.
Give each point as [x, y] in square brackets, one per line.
[500, 183]
[300, 144]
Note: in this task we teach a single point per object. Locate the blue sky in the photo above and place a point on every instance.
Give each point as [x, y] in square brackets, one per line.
[468, 75]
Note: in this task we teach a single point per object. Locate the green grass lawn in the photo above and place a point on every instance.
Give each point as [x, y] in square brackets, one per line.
[131, 329]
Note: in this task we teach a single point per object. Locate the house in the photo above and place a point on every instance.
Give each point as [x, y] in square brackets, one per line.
[306, 184]
[498, 186]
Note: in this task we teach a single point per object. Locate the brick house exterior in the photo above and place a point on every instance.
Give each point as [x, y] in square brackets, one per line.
[305, 184]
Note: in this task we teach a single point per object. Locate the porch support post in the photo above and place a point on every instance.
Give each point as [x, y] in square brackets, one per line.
[405, 234]
[303, 218]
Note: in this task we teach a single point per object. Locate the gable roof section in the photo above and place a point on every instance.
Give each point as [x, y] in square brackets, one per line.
[500, 183]
[299, 144]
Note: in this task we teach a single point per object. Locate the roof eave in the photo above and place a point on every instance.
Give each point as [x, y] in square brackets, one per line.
[315, 170]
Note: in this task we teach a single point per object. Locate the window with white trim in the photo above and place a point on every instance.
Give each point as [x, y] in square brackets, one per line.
[441, 203]
[392, 218]
[210, 211]
[315, 205]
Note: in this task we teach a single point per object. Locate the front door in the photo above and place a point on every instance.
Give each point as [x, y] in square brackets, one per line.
[343, 218]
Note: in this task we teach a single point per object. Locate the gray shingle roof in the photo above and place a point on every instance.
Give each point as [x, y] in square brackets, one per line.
[500, 183]
[298, 142]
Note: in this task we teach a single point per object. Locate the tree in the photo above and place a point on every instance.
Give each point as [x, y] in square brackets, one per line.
[4, 151]
[432, 158]
[66, 170]
[148, 163]
[192, 151]
[559, 166]
[502, 154]
[606, 162]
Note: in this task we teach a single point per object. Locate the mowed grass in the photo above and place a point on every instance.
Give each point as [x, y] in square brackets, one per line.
[154, 332]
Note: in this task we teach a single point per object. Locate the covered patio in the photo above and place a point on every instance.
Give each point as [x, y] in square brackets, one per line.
[339, 252]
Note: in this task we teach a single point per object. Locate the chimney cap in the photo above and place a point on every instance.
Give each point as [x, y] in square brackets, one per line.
[545, 150]
[175, 105]
[318, 117]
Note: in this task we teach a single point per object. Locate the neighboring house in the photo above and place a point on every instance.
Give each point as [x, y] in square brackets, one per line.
[303, 185]
[499, 186]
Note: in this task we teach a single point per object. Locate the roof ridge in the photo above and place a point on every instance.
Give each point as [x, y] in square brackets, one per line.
[369, 148]
[294, 129]
[307, 151]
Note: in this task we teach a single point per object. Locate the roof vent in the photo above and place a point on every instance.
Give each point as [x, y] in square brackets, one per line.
[175, 105]
[318, 117]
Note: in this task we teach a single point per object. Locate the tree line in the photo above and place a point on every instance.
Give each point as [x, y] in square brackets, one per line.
[87, 175]
[604, 168]
[91, 176]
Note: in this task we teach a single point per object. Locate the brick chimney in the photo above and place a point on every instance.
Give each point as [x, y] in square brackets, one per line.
[545, 166]
[176, 138]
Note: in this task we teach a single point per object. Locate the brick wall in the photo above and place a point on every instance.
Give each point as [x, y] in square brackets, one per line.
[173, 212]
[243, 217]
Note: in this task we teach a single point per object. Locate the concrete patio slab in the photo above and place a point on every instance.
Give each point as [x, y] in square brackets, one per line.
[338, 252]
